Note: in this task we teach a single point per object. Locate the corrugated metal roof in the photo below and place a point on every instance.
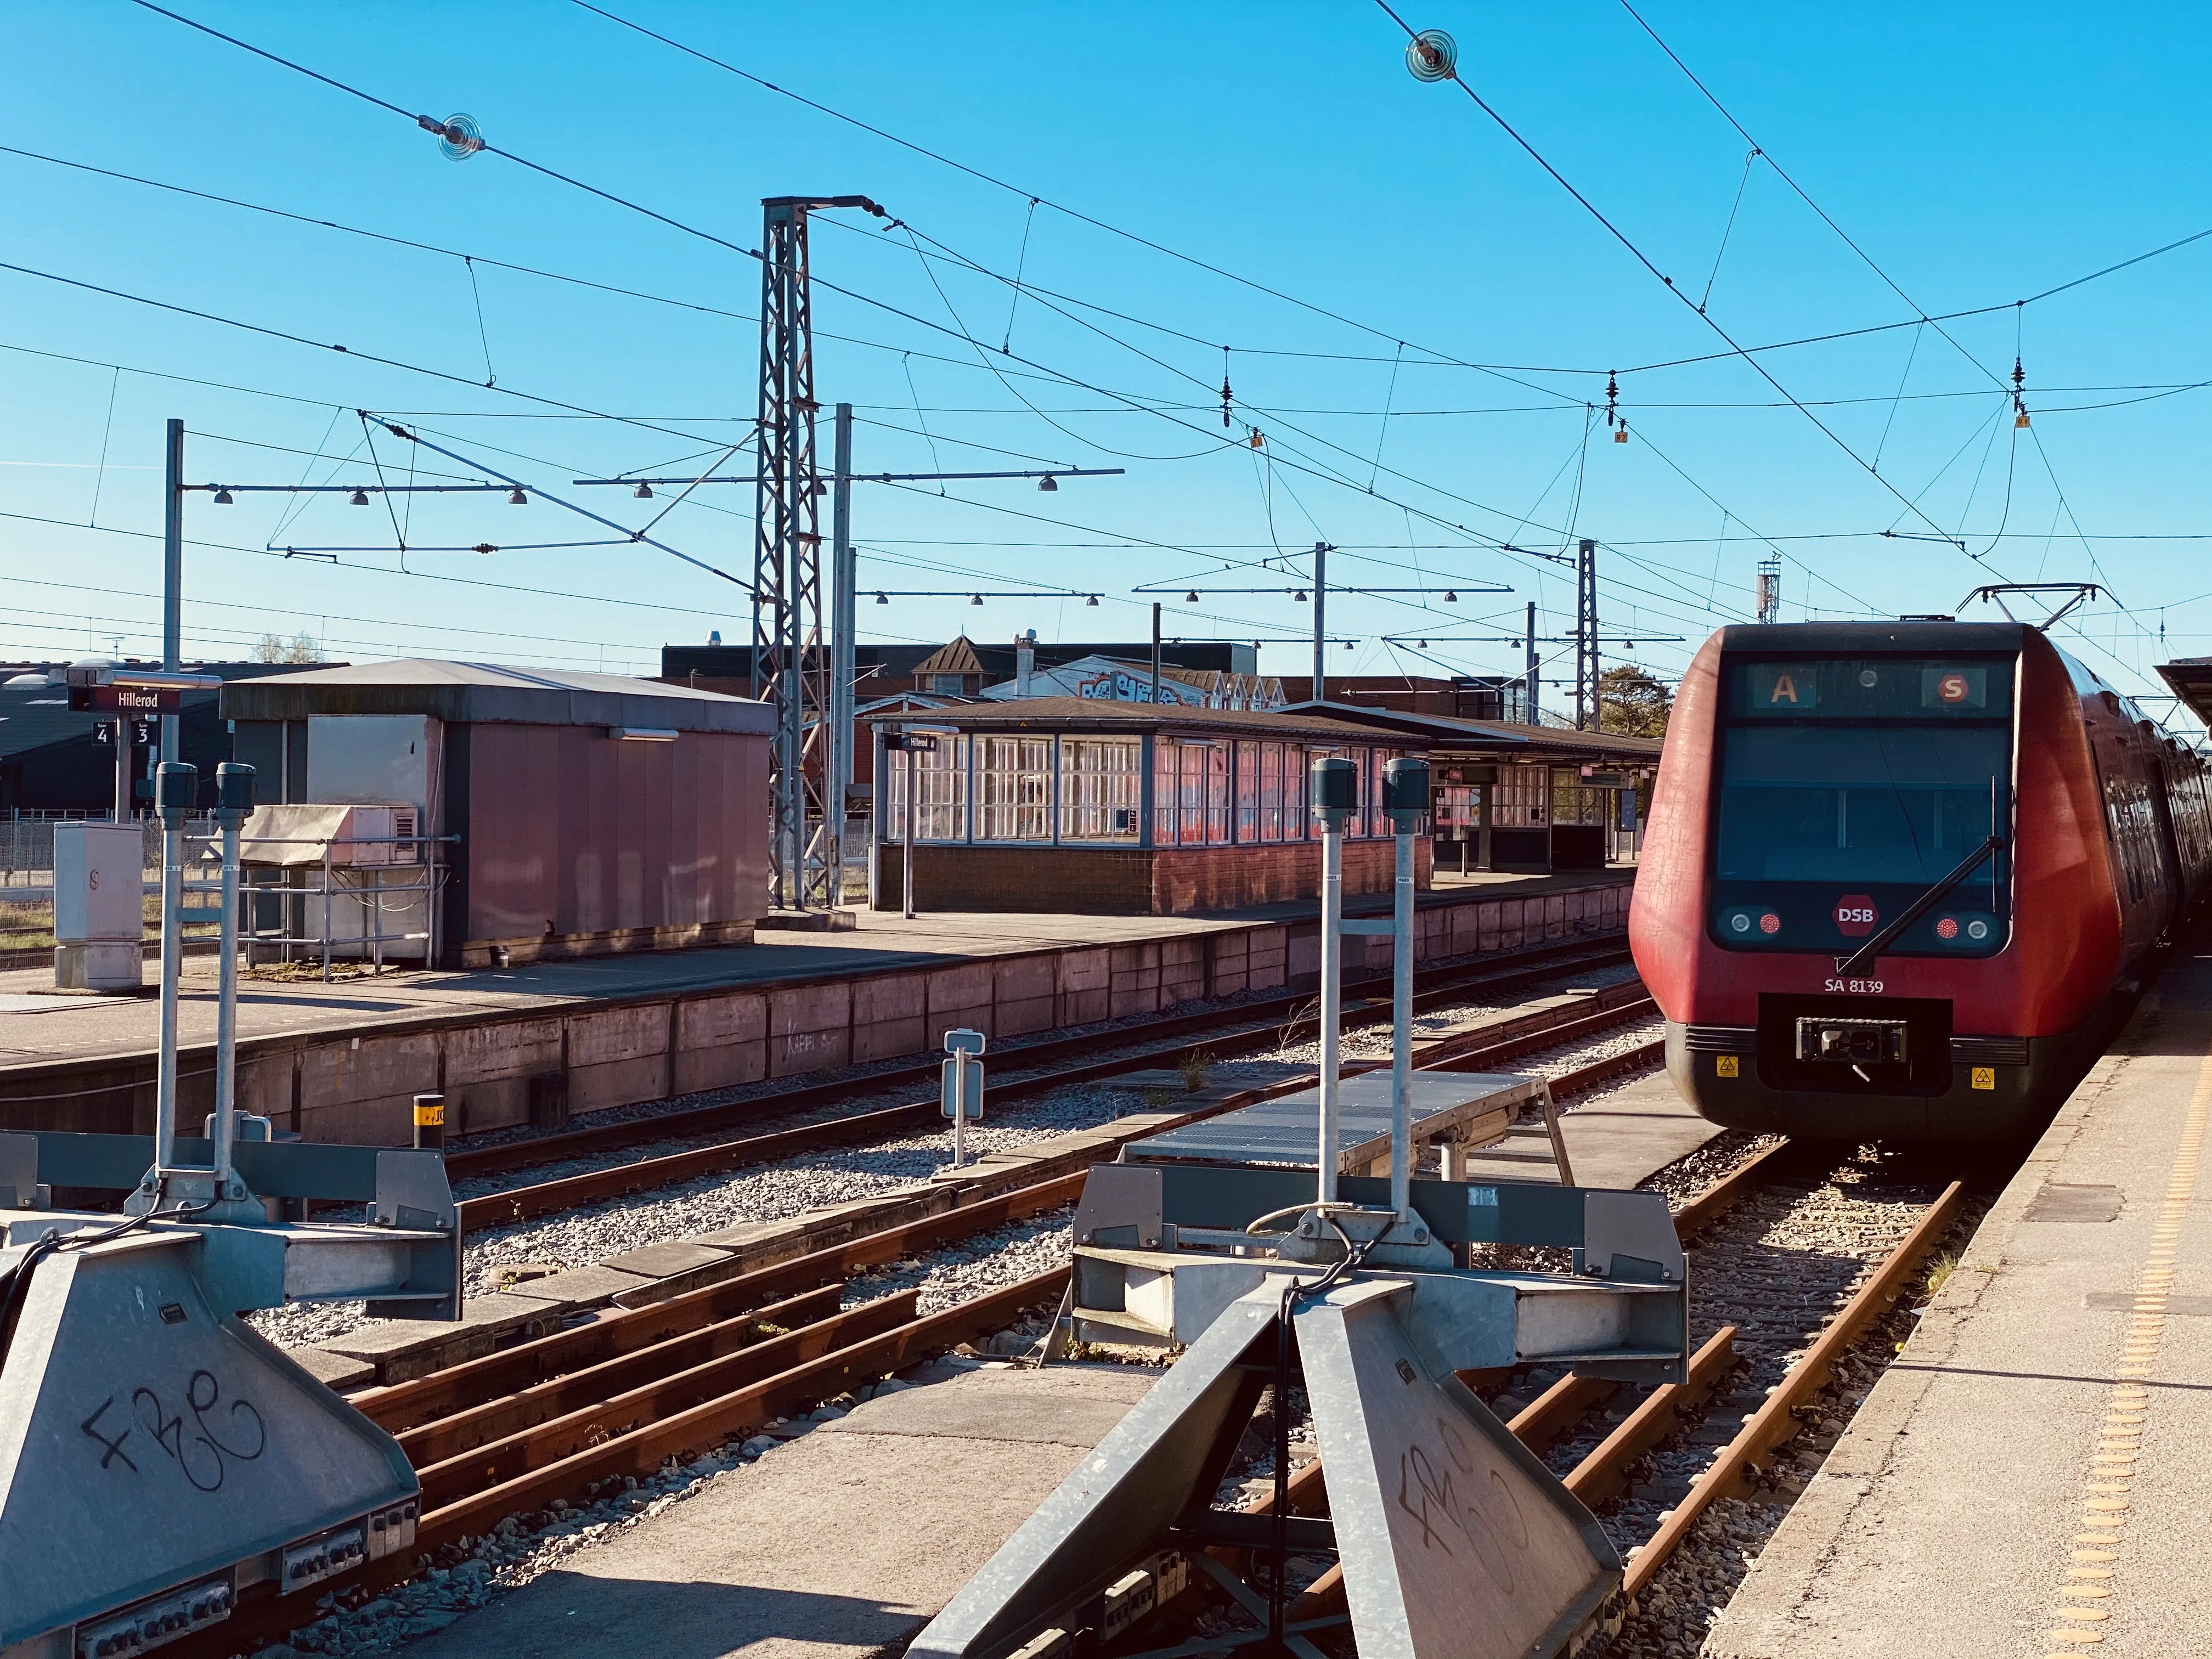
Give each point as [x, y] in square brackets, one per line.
[33, 716]
[480, 692]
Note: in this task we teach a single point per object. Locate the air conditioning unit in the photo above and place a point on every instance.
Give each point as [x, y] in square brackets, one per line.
[369, 908]
[351, 835]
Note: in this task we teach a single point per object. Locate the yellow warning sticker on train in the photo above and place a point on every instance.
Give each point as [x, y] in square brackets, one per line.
[1985, 1077]
[1726, 1066]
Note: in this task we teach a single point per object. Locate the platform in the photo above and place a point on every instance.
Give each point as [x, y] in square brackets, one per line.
[1620, 1139]
[340, 1062]
[792, 1557]
[2031, 1475]
[1447, 1108]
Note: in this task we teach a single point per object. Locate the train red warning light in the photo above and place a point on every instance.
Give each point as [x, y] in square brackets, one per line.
[1947, 927]
[1770, 923]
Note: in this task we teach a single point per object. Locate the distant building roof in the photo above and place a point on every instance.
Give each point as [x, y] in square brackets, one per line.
[32, 716]
[956, 658]
[472, 691]
[893, 662]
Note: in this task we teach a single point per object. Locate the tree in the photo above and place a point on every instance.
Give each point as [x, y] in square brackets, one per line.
[300, 648]
[1633, 701]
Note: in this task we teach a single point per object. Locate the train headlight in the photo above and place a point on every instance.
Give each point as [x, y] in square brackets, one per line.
[1977, 930]
[1747, 922]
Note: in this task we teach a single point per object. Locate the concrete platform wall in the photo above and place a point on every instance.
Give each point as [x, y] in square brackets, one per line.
[357, 1087]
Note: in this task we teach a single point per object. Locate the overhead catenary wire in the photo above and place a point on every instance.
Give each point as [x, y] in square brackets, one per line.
[1330, 474]
[1433, 361]
[1643, 260]
[418, 575]
[960, 332]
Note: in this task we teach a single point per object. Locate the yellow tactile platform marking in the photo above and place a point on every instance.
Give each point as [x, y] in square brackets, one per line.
[2092, 1580]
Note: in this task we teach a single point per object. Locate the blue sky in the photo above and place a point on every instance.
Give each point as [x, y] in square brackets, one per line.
[1978, 154]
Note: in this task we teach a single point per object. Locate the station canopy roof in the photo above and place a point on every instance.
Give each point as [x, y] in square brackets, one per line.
[1313, 723]
[474, 692]
[1104, 715]
[2192, 680]
[1560, 744]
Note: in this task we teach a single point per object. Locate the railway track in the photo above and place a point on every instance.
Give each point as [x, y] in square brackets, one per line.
[582, 1412]
[1491, 1045]
[1737, 1467]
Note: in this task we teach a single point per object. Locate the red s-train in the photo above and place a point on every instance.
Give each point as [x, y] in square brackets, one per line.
[1902, 878]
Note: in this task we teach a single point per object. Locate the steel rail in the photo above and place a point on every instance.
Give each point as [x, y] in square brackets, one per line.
[1774, 1424]
[1556, 1412]
[641, 1452]
[507, 1372]
[513, 1432]
[468, 1470]
[466, 1430]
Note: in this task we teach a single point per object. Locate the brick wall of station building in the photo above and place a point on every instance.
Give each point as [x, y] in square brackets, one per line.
[1116, 881]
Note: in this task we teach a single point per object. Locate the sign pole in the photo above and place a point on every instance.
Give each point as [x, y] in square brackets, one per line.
[123, 804]
[173, 582]
[234, 784]
[175, 786]
[963, 1075]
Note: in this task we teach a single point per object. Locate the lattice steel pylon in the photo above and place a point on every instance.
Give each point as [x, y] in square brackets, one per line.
[1769, 592]
[1588, 712]
[791, 662]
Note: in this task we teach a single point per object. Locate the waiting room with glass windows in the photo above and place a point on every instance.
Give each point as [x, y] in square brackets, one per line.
[1143, 809]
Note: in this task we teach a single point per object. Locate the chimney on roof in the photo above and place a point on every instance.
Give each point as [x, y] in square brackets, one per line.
[1024, 663]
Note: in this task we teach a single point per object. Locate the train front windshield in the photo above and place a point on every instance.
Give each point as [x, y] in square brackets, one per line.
[1848, 789]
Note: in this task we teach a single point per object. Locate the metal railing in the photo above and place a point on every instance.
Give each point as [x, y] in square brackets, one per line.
[336, 893]
[26, 848]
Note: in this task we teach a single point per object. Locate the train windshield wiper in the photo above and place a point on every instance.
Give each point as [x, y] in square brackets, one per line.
[1846, 966]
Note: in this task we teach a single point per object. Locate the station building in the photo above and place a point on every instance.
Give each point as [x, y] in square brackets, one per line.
[1094, 806]
[581, 814]
[1523, 798]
